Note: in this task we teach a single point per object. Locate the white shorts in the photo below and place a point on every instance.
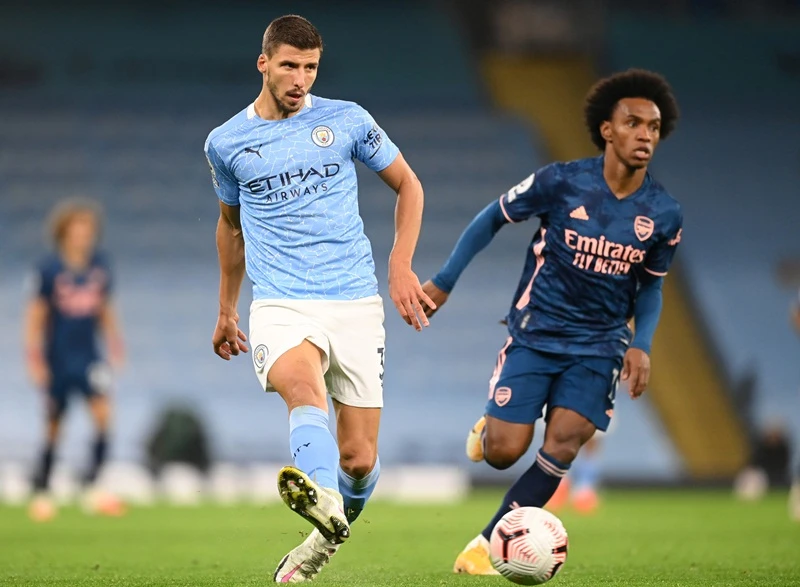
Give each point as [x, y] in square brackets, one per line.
[349, 332]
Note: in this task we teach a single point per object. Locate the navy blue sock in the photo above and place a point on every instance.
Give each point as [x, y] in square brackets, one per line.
[533, 489]
[41, 481]
[99, 451]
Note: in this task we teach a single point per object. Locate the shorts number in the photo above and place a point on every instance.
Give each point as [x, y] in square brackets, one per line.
[614, 385]
[382, 353]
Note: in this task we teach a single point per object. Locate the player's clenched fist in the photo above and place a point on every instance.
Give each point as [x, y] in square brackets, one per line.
[408, 296]
[228, 339]
[438, 296]
[636, 371]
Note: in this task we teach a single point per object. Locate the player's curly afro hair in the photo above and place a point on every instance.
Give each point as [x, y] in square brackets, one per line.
[634, 83]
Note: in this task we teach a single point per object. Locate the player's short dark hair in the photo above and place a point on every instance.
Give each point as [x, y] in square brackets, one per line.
[291, 30]
[66, 211]
[604, 96]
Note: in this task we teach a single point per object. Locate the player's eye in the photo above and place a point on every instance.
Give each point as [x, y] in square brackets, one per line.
[632, 123]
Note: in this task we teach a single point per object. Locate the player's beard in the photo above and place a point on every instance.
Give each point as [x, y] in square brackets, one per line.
[276, 95]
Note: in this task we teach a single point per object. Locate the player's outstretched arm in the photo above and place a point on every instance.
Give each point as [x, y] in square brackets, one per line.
[228, 339]
[478, 234]
[36, 318]
[404, 287]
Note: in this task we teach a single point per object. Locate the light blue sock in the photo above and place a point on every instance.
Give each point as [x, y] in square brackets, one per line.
[585, 473]
[314, 450]
[356, 492]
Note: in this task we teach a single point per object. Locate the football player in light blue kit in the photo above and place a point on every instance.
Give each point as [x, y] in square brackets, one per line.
[284, 172]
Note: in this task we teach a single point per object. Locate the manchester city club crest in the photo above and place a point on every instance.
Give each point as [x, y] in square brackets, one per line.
[260, 356]
[322, 136]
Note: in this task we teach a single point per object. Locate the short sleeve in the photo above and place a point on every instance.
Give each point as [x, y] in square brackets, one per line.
[660, 255]
[371, 145]
[533, 196]
[224, 182]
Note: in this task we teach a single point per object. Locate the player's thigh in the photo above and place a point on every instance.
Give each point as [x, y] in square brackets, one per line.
[357, 435]
[357, 352]
[588, 388]
[290, 351]
[517, 395]
[298, 378]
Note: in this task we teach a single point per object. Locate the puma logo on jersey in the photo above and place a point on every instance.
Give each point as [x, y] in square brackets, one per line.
[579, 214]
[254, 151]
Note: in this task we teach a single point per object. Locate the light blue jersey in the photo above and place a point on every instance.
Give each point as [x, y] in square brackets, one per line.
[295, 181]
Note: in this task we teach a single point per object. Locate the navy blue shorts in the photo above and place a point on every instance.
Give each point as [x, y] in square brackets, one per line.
[87, 384]
[525, 380]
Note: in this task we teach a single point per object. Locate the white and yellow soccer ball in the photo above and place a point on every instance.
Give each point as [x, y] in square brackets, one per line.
[528, 546]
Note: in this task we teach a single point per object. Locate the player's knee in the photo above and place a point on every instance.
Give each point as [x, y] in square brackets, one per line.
[562, 452]
[501, 455]
[357, 459]
[562, 445]
[302, 393]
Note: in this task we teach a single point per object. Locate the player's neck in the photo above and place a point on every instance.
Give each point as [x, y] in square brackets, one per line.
[75, 260]
[267, 108]
[621, 179]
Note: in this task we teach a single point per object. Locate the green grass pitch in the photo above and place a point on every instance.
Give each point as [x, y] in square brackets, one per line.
[637, 539]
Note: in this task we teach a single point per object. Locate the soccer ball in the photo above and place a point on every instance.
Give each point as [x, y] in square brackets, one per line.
[528, 546]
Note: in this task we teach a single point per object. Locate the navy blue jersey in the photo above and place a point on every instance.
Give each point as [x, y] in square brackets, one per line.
[584, 265]
[75, 301]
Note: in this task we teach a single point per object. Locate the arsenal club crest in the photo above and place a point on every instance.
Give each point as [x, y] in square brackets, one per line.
[643, 227]
[502, 395]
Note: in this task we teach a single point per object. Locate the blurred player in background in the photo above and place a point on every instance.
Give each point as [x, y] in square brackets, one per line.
[608, 233]
[70, 304]
[284, 172]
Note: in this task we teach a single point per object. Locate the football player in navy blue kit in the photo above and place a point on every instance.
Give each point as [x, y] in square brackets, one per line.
[608, 232]
[70, 305]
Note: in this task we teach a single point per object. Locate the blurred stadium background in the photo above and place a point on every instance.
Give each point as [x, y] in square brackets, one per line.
[114, 102]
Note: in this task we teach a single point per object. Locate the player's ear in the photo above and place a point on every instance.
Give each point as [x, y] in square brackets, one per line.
[261, 64]
[605, 130]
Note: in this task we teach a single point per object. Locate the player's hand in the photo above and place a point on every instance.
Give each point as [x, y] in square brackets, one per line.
[116, 356]
[438, 296]
[40, 373]
[228, 339]
[636, 371]
[407, 295]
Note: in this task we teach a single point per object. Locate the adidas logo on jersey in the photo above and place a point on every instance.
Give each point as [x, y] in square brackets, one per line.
[579, 214]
